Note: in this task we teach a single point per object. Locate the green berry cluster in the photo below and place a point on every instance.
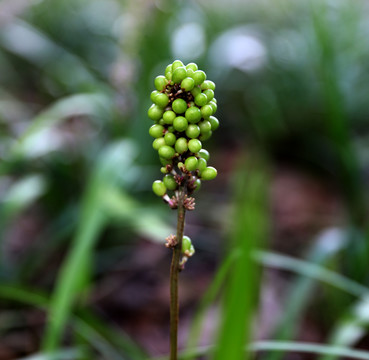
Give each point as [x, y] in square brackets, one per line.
[183, 111]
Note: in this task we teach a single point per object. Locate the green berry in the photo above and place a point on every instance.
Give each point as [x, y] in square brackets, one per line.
[191, 163]
[209, 93]
[164, 170]
[169, 116]
[168, 75]
[156, 131]
[153, 95]
[204, 154]
[206, 111]
[180, 123]
[202, 164]
[179, 106]
[169, 182]
[160, 82]
[159, 188]
[158, 143]
[155, 112]
[179, 74]
[181, 145]
[199, 77]
[195, 91]
[161, 100]
[208, 85]
[197, 184]
[165, 162]
[161, 122]
[193, 131]
[194, 145]
[170, 139]
[186, 243]
[209, 173]
[167, 152]
[171, 129]
[192, 66]
[187, 84]
[205, 126]
[176, 64]
[206, 136]
[213, 106]
[201, 99]
[168, 69]
[193, 114]
[189, 73]
[214, 122]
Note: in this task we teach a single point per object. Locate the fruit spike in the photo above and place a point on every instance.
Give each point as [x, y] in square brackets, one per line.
[183, 113]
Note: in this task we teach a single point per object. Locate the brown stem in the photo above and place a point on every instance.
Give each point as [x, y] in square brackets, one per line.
[174, 271]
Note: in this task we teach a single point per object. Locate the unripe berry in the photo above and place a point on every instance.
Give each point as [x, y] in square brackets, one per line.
[195, 91]
[176, 64]
[214, 122]
[179, 106]
[180, 123]
[206, 111]
[181, 145]
[186, 243]
[199, 77]
[160, 82]
[201, 99]
[201, 164]
[158, 143]
[187, 247]
[205, 126]
[161, 100]
[206, 136]
[169, 116]
[208, 85]
[214, 106]
[170, 139]
[159, 188]
[164, 170]
[168, 69]
[168, 75]
[167, 152]
[209, 173]
[209, 94]
[187, 84]
[165, 162]
[189, 73]
[153, 95]
[155, 112]
[179, 74]
[204, 154]
[156, 131]
[191, 163]
[169, 182]
[194, 145]
[193, 114]
[197, 184]
[193, 131]
[192, 66]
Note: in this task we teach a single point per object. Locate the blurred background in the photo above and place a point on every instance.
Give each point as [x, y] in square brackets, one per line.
[282, 261]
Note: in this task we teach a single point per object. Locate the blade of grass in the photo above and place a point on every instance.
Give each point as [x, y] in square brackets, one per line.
[89, 326]
[311, 270]
[209, 297]
[351, 326]
[280, 346]
[91, 222]
[249, 232]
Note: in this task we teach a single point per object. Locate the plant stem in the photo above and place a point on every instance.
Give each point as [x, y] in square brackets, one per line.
[174, 272]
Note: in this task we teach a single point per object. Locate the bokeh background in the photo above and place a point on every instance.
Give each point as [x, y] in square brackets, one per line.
[282, 263]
